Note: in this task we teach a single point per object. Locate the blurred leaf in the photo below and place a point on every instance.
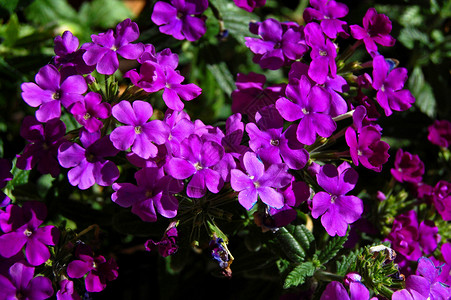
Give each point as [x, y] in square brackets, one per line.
[423, 93]
[332, 248]
[223, 77]
[12, 31]
[295, 240]
[409, 35]
[50, 11]
[411, 16]
[20, 177]
[104, 13]
[298, 275]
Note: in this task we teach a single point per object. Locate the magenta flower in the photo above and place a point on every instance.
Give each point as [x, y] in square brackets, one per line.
[50, 91]
[180, 127]
[139, 134]
[198, 159]
[408, 167]
[442, 199]
[336, 291]
[20, 284]
[88, 164]
[249, 5]
[5, 176]
[276, 46]
[369, 150]
[103, 50]
[336, 208]
[405, 234]
[376, 29]
[181, 18]
[89, 110]
[168, 244]
[323, 54]
[440, 133]
[308, 104]
[389, 85]
[259, 182]
[328, 12]
[67, 291]
[153, 191]
[98, 269]
[21, 227]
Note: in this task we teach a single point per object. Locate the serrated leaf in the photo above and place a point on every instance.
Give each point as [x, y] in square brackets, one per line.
[409, 35]
[331, 249]
[422, 91]
[346, 262]
[295, 240]
[223, 77]
[298, 275]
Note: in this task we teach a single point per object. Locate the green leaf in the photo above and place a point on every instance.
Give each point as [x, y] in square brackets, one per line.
[411, 16]
[409, 35]
[12, 31]
[50, 11]
[20, 177]
[347, 261]
[295, 240]
[104, 13]
[332, 248]
[423, 93]
[223, 77]
[298, 275]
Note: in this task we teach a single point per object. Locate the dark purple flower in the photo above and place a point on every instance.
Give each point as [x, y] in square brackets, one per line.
[308, 104]
[368, 149]
[88, 164]
[26, 232]
[276, 46]
[323, 54]
[234, 135]
[153, 191]
[42, 149]
[389, 85]
[67, 291]
[103, 50]
[376, 29]
[250, 96]
[408, 167]
[168, 244]
[429, 236]
[138, 133]
[221, 254]
[442, 199]
[249, 5]
[50, 91]
[197, 159]
[20, 284]
[180, 127]
[336, 291]
[328, 12]
[5, 176]
[181, 18]
[440, 133]
[405, 234]
[98, 268]
[271, 143]
[259, 182]
[89, 110]
[337, 209]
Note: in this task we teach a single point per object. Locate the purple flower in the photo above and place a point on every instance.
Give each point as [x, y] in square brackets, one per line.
[425, 284]
[67, 291]
[323, 54]
[50, 91]
[376, 29]
[180, 127]
[89, 110]
[337, 209]
[42, 149]
[259, 182]
[180, 19]
[408, 167]
[168, 244]
[440, 133]
[234, 135]
[88, 164]
[328, 12]
[368, 149]
[98, 268]
[308, 104]
[250, 96]
[20, 284]
[153, 190]
[197, 158]
[5, 176]
[272, 144]
[103, 50]
[249, 5]
[389, 84]
[442, 199]
[276, 46]
[25, 231]
[138, 134]
[336, 291]
[405, 234]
